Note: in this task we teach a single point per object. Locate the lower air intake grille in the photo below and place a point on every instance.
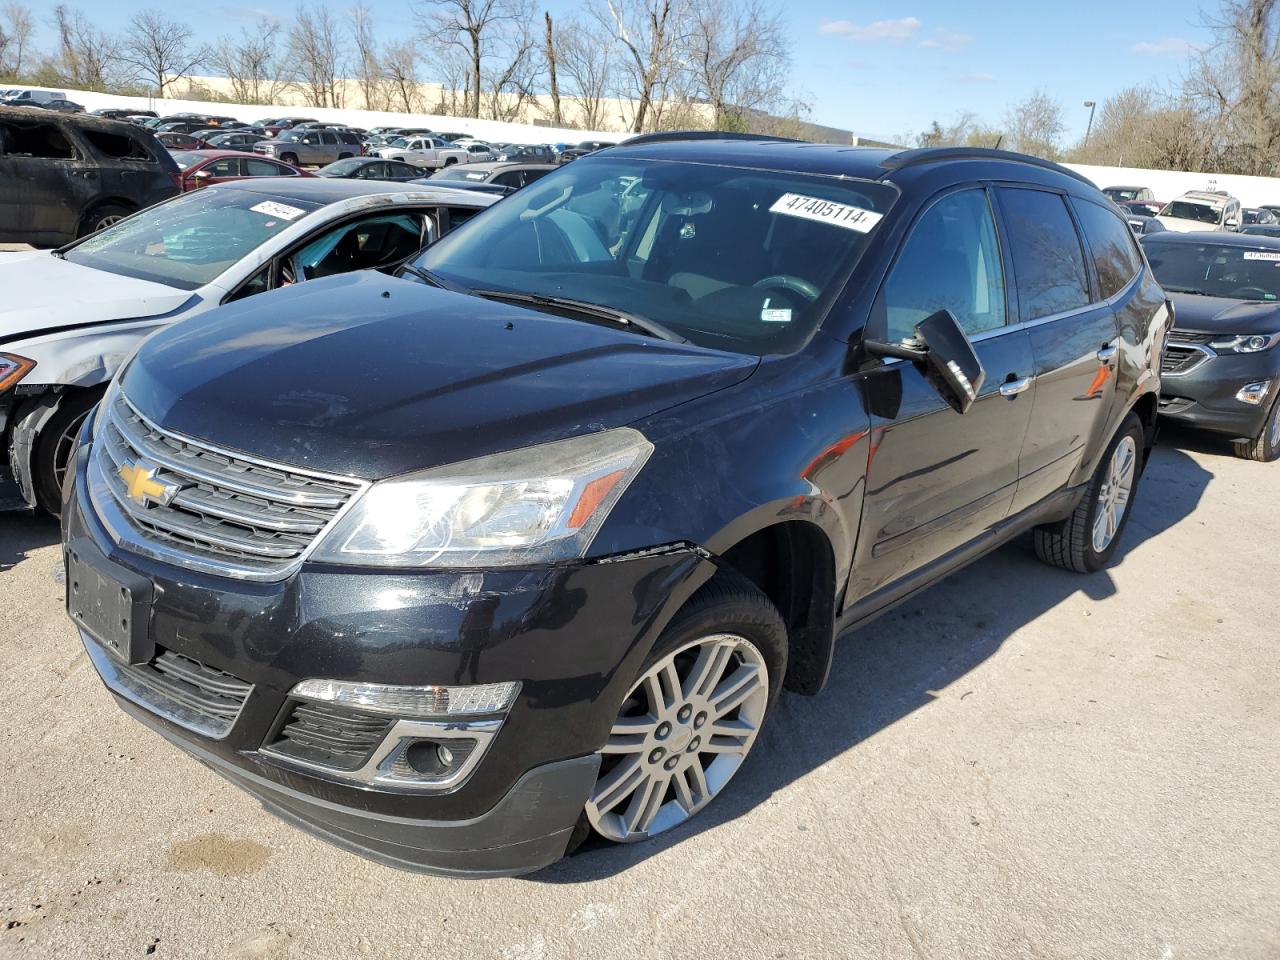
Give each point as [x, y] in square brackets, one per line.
[190, 693]
[328, 735]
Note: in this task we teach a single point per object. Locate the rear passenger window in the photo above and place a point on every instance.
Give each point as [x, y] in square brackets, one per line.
[1047, 258]
[950, 261]
[1111, 243]
[43, 140]
[116, 145]
[264, 168]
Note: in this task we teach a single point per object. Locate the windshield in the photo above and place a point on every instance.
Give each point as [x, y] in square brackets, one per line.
[185, 160]
[340, 168]
[188, 241]
[1120, 194]
[460, 172]
[1217, 270]
[1185, 210]
[727, 257]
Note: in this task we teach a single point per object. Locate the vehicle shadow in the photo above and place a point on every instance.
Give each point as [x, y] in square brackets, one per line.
[21, 533]
[897, 664]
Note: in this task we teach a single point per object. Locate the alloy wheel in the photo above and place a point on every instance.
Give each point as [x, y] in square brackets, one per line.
[1275, 427]
[66, 446]
[682, 733]
[110, 220]
[1113, 495]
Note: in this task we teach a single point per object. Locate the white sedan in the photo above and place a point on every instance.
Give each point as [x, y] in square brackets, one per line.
[70, 317]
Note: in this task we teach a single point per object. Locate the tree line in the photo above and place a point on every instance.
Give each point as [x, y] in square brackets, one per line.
[722, 64]
[1223, 115]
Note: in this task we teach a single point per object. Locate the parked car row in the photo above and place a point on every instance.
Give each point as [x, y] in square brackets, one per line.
[1194, 211]
[458, 529]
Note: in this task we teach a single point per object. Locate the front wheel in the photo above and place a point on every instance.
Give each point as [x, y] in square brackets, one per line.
[1085, 541]
[1265, 447]
[692, 716]
[101, 217]
[55, 447]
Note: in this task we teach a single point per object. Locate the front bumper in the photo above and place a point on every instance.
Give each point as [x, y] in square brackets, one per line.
[1206, 397]
[574, 637]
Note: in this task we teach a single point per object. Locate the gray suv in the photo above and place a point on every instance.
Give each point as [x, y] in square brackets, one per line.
[311, 147]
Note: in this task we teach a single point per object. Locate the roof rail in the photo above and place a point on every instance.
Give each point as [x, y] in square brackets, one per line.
[673, 135]
[911, 158]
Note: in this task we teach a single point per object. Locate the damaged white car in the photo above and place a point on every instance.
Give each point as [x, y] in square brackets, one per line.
[70, 317]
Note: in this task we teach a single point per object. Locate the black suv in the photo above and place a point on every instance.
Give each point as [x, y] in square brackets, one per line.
[1222, 362]
[65, 176]
[457, 567]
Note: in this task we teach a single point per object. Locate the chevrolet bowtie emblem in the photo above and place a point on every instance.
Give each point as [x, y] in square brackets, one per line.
[142, 486]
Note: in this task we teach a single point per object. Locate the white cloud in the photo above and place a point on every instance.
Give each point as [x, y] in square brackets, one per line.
[896, 31]
[1166, 47]
[949, 40]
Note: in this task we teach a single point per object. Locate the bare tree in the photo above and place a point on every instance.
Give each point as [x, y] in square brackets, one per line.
[557, 117]
[966, 130]
[369, 70]
[86, 56]
[16, 29]
[1035, 126]
[400, 72]
[160, 50]
[651, 35]
[740, 54]
[316, 51]
[585, 59]
[476, 27]
[1237, 80]
[514, 75]
[251, 62]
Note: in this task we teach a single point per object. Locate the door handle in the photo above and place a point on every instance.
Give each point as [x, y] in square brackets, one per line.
[1108, 353]
[1015, 387]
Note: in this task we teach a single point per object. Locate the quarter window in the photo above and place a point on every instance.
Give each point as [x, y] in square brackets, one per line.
[1111, 243]
[950, 261]
[1047, 258]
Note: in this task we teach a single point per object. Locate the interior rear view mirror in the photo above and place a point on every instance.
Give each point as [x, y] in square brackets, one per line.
[948, 358]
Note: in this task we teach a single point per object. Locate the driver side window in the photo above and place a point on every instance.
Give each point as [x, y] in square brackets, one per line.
[950, 261]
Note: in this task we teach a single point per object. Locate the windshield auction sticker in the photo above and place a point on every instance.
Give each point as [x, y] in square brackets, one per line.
[826, 211]
[270, 208]
[1262, 255]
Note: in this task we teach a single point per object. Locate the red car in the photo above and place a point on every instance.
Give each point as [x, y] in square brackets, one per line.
[201, 168]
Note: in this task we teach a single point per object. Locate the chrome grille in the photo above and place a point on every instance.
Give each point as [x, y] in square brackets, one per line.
[220, 512]
[1181, 358]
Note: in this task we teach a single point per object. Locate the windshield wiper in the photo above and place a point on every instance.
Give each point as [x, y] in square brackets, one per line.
[1198, 293]
[432, 279]
[585, 308]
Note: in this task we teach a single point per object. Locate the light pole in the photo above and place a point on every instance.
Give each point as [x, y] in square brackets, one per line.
[1092, 105]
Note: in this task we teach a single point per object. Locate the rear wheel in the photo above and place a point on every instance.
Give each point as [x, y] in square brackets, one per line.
[102, 216]
[1085, 541]
[1265, 447]
[290, 158]
[450, 161]
[692, 716]
[344, 156]
[55, 446]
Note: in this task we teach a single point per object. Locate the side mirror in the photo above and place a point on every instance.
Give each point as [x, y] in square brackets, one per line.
[1233, 223]
[948, 358]
[201, 175]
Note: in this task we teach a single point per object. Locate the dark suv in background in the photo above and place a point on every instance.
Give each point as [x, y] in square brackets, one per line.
[456, 568]
[64, 176]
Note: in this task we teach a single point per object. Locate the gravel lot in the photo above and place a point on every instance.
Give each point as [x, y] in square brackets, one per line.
[1022, 763]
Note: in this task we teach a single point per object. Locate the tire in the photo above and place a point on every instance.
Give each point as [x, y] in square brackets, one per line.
[727, 639]
[1073, 544]
[55, 447]
[450, 161]
[1265, 447]
[291, 158]
[102, 216]
[344, 156]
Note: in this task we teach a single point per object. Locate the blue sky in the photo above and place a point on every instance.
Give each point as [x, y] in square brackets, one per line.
[882, 68]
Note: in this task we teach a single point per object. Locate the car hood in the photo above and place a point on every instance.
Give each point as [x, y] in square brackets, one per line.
[40, 292]
[1220, 315]
[1179, 225]
[370, 376]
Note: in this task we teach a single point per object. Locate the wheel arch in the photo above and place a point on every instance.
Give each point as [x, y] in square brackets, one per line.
[793, 563]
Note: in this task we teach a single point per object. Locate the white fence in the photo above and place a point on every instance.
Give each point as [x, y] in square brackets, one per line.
[1169, 184]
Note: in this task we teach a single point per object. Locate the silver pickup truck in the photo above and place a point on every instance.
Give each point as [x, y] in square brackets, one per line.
[311, 147]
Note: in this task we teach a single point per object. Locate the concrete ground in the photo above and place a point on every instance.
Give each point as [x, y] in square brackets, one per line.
[1022, 763]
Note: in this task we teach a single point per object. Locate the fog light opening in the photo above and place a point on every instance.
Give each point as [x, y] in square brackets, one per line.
[1254, 393]
[427, 760]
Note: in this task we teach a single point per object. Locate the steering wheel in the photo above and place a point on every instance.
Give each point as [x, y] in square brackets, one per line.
[1244, 293]
[787, 281]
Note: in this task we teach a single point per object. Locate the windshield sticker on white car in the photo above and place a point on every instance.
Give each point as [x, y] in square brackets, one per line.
[270, 208]
[1273, 256]
[826, 211]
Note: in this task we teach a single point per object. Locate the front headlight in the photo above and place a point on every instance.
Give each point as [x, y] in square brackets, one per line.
[536, 505]
[12, 369]
[1247, 343]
